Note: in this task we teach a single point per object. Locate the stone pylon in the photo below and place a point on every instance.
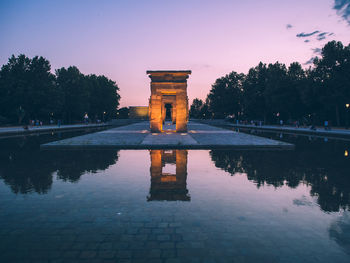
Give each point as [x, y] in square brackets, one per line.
[168, 87]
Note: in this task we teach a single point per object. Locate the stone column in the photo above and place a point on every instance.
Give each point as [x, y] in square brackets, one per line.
[163, 111]
[181, 111]
[173, 114]
[155, 108]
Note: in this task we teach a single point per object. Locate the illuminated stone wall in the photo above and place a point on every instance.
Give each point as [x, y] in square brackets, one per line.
[168, 87]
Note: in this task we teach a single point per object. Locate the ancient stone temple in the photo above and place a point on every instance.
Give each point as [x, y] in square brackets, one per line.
[168, 99]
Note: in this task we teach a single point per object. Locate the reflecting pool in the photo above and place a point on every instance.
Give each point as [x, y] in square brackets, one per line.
[175, 205]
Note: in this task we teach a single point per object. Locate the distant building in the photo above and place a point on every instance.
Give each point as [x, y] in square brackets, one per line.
[138, 112]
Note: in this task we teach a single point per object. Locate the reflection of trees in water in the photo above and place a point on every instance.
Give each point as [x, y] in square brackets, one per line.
[339, 231]
[27, 171]
[325, 170]
[71, 165]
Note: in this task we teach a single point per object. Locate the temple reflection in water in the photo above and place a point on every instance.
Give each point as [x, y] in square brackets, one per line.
[168, 175]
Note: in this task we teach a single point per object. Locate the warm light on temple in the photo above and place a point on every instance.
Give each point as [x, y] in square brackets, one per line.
[168, 93]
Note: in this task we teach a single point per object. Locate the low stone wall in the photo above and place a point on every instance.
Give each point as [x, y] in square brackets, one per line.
[334, 133]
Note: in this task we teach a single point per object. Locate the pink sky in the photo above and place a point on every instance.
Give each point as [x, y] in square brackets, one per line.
[123, 39]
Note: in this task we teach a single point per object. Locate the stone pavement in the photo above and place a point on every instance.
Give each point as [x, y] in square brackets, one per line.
[138, 136]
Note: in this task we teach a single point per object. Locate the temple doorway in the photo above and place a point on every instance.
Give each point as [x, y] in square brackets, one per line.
[168, 111]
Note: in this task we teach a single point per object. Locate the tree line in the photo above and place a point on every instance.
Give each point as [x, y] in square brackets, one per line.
[275, 92]
[30, 91]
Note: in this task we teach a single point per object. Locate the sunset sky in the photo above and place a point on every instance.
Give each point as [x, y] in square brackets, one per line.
[123, 39]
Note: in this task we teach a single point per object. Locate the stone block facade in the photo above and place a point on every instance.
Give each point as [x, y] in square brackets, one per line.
[168, 87]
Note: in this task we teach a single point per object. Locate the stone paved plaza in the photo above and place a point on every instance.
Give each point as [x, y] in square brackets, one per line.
[138, 136]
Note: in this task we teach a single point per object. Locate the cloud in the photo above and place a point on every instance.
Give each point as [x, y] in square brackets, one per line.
[317, 50]
[310, 61]
[318, 34]
[289, 26]
[308, 34]
[343, 9]
[302, 202]
[322, 36]
[200, 66]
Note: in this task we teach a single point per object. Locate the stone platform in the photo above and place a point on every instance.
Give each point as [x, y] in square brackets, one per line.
[138, 136]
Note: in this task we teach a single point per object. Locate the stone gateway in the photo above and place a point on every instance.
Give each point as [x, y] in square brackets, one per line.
[168, 99]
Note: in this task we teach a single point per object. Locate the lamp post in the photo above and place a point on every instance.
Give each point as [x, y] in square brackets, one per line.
[347, 105]
[104, 114]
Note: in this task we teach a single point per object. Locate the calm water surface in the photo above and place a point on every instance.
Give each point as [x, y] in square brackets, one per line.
[175, 205]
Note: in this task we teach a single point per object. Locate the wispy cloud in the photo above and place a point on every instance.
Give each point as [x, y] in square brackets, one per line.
[343, 9]
[200, 66]
[289, 26]
[322, 36]
[308, 34]
[317, 50]
[318, 34]
[310, 61]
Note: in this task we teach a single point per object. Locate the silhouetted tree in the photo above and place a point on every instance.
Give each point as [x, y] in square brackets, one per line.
[195, 109]
[254, 86]
[332, 76]
[75, 91]
[225, 95]
[276, 92]
[27, 89]
[103, 97]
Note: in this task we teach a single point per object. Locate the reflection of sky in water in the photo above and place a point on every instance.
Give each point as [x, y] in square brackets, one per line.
[226, 216]
[169, 168]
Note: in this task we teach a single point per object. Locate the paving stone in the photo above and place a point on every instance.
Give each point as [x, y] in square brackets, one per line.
[137, 245]
[151, 244]
[124, 254]
[108, 245]
[88, 254]
[166, 245]
[154, 253]
[106, 254]
[140, 253]
[138, 136]
[174, 260]
[145, 231]
[163, 237]
[120, 245]
[79, 246]
[169, 230]
[71, 254]
[157, 231]
[176, 237]
[168, 253]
